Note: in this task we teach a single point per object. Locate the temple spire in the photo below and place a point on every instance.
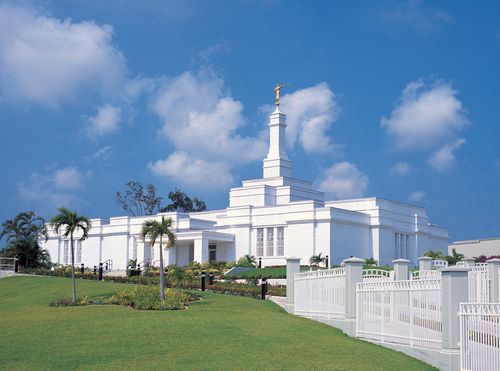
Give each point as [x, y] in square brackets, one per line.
[277, 164]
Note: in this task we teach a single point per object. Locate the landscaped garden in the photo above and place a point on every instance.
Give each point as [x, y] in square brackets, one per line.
[218, 332]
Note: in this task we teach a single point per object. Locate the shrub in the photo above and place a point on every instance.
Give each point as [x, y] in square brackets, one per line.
[148, 298]
[66, 302]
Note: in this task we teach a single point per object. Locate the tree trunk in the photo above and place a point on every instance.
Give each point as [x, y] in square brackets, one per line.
[73, 282]
[162, 272]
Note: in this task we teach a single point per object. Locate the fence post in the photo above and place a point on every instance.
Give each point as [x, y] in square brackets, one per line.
[424, 263]
[353, 275]
[292, 267]
[493, 266]
[469, 262]
[400, 269]
[454, 290]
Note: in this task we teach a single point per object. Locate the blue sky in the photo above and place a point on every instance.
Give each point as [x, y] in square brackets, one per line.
[397, 99]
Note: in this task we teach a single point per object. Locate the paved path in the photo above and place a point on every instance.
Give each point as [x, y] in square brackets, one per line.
[280, 300]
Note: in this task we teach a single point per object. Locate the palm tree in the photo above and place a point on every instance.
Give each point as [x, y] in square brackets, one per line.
[435, 255]
[153, 229]
[454, 257]
[370, 261]
[316, 260]
[22, 236]
[70, 222]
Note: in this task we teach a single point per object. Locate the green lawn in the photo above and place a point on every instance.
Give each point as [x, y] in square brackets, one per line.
[219, 332]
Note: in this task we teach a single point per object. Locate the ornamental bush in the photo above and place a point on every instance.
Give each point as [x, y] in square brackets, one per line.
[147, 298]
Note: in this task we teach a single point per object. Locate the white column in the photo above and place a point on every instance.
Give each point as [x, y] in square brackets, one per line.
[493, 266]
[353, 275]
[292, 267]
[454, 290]
[424, 263]
[400, 269]
[201, 249]
[469, 262]
[172, 254]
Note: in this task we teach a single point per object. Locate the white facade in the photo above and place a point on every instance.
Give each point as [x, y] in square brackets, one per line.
[475, 248]
[270, 218]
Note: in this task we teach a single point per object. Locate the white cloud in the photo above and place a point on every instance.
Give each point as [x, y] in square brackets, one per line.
[47, 61]
[428, 117]
[416, 14]
[104, 122]
[69, 178]
[53, 188]
[401, 168]
[444, 158]
[417, 196]
[102, 153]
[343, 180]
[185, 169]
[202, 121]
[310, 114]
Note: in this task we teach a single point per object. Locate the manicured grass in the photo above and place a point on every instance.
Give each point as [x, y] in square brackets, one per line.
[219, 332]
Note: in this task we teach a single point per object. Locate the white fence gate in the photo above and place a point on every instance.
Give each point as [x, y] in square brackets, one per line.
[403, 312]
[479, 285]
[480, 336]
[320, 294]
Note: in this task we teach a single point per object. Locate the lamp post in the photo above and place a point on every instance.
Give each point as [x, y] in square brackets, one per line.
[203, 276]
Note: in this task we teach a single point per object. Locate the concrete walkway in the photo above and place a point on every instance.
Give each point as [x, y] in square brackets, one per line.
[279, 300]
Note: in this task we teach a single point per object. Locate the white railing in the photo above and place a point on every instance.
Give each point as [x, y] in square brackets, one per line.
[479, 286]
[7, 264]
[479, 336]
[425, 275]
[403, 312]
[439, 263]
[377, 275]
[320, 294]
[460, 264]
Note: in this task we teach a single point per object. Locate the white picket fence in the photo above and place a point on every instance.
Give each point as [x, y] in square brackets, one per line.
[320, 294]
[479, 285]
[480, 336]
[402, 312]
[377, 275]
[425, 275]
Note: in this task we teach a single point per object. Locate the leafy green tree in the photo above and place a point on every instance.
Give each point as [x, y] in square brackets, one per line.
[155, 229]
[69, 222]
[22, 235]
[435, 255]
[454, 258]
[246, 261]
[179, 201]
[371, 261]
[316, 260]
[138, 199]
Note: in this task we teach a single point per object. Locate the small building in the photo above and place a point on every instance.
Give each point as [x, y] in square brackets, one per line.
[474, 248]
[270, 218]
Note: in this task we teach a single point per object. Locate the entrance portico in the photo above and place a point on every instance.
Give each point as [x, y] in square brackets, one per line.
[201, 246]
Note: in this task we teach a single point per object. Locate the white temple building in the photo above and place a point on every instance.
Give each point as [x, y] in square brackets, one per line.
[271, 218]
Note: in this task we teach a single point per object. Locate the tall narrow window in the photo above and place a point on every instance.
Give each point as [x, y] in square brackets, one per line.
[280, 241]
[79, 251]
[270, 242]
[260, 241]
[212, 252]
[396, 246]
[66, 245]
[134, 248]
[407, 246]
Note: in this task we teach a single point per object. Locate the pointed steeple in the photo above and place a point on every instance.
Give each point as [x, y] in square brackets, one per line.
[277, 164]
